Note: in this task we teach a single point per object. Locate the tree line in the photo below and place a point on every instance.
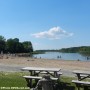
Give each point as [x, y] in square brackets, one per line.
[82, 49]
[15, 46]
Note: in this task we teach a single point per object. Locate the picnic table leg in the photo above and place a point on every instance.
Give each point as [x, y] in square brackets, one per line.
[32, 73]
[78, 86]
[55, 74]
[29, 82]
[79, 77]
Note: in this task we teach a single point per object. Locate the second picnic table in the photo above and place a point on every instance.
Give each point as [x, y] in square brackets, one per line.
[81, 75]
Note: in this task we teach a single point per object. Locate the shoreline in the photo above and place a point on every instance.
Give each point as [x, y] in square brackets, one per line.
[37, 62]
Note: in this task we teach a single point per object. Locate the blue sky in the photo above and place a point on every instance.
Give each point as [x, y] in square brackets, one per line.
[48, 24]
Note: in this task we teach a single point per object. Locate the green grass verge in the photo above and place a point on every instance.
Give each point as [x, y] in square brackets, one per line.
[12, 81]
[15, 81]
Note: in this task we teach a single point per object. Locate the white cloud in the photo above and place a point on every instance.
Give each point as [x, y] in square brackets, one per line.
[53, 33]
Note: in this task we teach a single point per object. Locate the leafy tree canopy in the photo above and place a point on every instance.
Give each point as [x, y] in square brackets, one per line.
[14, 46]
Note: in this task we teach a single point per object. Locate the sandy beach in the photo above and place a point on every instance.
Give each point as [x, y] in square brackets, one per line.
[63, 64]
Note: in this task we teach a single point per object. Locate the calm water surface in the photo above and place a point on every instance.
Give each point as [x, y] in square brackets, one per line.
[62, 56]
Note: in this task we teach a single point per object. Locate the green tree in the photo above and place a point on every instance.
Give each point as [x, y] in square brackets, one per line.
[13, 45]
[27, 46]
[2, 44]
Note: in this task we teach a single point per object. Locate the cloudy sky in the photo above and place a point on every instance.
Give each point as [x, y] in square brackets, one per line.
[48, 24]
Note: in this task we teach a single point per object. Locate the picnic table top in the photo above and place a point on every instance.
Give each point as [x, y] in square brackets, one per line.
[41, 69]
[81, 72]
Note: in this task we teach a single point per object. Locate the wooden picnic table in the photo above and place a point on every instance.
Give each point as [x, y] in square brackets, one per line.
[82, 75]
[35, 71]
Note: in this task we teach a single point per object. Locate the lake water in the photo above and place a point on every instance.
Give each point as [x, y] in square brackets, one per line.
[62, 56]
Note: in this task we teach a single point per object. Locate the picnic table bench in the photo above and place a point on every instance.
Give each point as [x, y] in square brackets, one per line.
[29, 78]
[36, 77]
[81, 76]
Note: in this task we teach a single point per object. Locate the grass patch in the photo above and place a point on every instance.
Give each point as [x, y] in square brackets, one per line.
[15, 81]
[66, 84]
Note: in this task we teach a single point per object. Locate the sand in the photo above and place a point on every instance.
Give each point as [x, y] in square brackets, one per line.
[33, 62]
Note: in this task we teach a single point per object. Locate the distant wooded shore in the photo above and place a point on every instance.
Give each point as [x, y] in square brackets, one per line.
[82, 50]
